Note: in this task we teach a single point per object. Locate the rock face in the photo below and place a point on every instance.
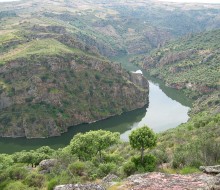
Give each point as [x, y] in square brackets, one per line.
[161, 181]
[79, 187]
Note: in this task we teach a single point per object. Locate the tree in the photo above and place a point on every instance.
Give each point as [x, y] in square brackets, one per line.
[141, 139]
[92, 143]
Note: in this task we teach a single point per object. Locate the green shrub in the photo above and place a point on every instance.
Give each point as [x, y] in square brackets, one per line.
[17, 173]
[149, 163]
[77, 168]
[107, 168]
[17, 185]
[52, 183]
[161, 156]
[179, 159]
[129, 168]
[35, 180]
[112, 158]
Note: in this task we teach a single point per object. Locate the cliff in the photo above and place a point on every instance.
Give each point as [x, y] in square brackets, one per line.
[50, 81]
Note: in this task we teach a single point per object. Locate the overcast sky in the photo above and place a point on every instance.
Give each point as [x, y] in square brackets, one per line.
[194, 1]
[7, 0]
[182, 1]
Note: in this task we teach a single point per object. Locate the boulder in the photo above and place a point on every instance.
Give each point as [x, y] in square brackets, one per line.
[210, 169]
[79, 187]
[46, 165]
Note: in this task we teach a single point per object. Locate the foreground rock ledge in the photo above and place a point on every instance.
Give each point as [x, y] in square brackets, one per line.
[79, 187]
[161, 181]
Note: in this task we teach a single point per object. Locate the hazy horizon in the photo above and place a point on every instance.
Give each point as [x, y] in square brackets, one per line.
[180, 1]
[193, 1]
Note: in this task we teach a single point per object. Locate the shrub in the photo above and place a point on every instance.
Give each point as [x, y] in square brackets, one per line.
[35, 180]
[129, 168]
[52, 183]
[161, 156]
[105, 169]
[149, 163]
[17, 185]
[17, 173]
[77, 168]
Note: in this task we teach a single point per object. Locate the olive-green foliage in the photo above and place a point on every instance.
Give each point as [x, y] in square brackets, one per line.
[5, 161]
[129, 168]
[35, 180]
[51, 184]
[91, 143]
[142, 138]
[106, 168]
[32, 157]
[136, 165]
[148, 163]
[17, 185]
[161, 156]
[202, 151]
[77, 168]
[17, 173]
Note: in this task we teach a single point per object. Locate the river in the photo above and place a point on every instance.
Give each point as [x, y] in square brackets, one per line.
[167, 109]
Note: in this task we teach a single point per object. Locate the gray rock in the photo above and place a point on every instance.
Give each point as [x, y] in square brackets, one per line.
[162, 181]
[210, 169]
[110, 178]
[46, 165]
[79, 187]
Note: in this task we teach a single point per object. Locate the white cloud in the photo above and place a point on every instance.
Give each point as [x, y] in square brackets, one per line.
[194, 1]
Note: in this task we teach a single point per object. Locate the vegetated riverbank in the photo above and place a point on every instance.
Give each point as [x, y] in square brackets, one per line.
[192, 65]
[160, 103]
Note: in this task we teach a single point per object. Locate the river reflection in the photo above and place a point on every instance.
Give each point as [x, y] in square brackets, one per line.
[163, 112]
[120, 123]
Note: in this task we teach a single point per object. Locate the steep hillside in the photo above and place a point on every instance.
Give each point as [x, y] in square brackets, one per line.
[190, 64]
[50, 81]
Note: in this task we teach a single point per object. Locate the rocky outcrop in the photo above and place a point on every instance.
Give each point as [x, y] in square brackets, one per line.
[139, 80]
[161, 181]
[45, 166]
[79, 187]
[210, 169]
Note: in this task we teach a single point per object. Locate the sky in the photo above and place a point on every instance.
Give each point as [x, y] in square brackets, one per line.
[7, 0]
[194, 1]
[182, 1]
